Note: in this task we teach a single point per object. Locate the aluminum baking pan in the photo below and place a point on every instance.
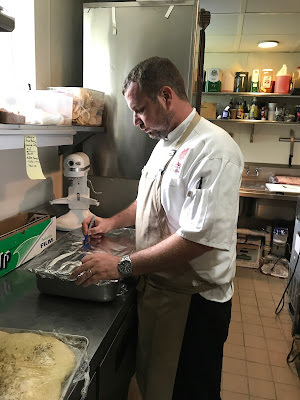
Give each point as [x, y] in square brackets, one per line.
[78, 344]
[105, 292]
[54, 266]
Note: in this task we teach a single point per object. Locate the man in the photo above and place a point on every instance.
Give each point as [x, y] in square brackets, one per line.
[185, 216]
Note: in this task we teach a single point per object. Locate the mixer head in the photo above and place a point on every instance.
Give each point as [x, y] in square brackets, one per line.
[76, 165]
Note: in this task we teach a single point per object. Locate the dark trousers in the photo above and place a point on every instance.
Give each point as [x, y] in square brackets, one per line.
[200, 365]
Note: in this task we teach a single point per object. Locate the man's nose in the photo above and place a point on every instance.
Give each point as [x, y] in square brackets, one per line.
[136, 120]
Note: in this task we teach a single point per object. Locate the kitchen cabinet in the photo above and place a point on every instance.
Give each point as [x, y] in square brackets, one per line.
[12, 136]
[118, 365]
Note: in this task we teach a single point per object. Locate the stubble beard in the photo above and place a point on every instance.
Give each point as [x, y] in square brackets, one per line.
[162, 134]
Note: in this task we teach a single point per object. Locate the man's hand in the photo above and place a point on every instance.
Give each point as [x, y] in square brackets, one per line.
[97, 267]
[101, 226]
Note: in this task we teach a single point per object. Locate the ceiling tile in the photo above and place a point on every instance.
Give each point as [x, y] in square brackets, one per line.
[221, 6]
[286, 43]
[222, 24]
[218, 44]
[269, 24]
[272, 6]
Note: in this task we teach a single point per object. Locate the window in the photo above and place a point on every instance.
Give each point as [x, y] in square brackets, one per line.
[17, 66]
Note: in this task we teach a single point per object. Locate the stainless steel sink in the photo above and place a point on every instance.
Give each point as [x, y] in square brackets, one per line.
[258, 189]
[253, 185]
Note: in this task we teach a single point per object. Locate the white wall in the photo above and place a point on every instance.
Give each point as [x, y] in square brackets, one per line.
[266, 147]
[17, 191]
[58, 27]
[53, 45]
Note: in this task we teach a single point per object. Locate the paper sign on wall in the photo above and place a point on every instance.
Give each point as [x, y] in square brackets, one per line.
[33, 166]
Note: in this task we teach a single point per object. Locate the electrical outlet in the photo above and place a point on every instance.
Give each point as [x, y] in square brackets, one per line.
[297, 243]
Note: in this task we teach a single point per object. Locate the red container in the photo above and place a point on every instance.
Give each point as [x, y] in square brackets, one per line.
[282, 84]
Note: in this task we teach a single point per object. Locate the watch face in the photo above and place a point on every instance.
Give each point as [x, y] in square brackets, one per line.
[125, 267]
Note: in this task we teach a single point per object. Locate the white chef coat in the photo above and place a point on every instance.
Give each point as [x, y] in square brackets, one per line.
[200, 195]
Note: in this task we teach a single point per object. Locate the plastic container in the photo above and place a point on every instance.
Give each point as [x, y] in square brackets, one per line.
[12, 107]
[271, 111]
[45, 107]
[282, 82]
[280, 236]
[295, 86]
[227, 81]
[267, 77]
[88, 105]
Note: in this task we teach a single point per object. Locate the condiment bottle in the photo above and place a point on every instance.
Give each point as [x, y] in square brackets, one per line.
[254, 81]
[263, 113]
[254, 109]
[266, 81]
[282, 81]
[240, 111]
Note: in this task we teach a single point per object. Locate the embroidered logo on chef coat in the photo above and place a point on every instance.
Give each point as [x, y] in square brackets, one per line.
[181, 158]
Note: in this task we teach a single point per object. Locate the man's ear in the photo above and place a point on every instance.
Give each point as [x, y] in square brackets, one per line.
[166, 95]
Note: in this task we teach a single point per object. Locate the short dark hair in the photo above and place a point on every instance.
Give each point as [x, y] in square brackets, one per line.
[154, 73]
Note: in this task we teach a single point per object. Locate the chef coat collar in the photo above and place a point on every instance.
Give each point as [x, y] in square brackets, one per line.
[179, 130]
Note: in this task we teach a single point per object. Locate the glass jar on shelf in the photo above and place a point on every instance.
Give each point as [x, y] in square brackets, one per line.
[267, 81]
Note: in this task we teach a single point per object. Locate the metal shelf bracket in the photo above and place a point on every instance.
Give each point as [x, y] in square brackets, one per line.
[252, 127]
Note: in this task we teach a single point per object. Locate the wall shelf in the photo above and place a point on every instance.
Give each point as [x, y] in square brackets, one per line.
[250, 94]
[12, 136]
[252, 121]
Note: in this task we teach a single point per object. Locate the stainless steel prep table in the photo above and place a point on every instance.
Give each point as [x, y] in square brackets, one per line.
[110, 328]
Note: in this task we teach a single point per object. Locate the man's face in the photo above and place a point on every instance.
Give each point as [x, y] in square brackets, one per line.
[152, 117]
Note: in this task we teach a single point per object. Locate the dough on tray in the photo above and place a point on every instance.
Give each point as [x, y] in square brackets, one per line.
[33, 366]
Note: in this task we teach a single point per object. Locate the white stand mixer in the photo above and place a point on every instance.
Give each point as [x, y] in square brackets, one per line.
[76, 168]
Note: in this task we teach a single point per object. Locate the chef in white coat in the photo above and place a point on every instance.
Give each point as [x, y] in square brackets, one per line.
[186, 217]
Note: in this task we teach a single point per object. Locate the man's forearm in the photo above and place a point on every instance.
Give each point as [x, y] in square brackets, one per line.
[125, 218]
[171, 253]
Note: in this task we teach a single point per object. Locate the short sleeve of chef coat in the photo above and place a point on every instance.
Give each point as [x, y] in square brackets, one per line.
[209, 214]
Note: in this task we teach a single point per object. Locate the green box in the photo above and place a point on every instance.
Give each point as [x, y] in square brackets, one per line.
[22, 237]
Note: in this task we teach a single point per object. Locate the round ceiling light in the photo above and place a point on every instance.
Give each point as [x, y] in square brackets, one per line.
[266, 44]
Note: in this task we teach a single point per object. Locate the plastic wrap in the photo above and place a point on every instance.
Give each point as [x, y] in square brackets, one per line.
[78, 345]
[65, 255]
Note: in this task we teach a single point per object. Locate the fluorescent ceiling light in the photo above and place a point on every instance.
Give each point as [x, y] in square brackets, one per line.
[268, 44]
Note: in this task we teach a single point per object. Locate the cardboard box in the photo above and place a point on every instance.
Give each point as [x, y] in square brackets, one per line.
[208, 110]
[249, 253]
[22, 237]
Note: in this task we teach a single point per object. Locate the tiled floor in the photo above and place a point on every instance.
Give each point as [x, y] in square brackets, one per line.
[254, 366]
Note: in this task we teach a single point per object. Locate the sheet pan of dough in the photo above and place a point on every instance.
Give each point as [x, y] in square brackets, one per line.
[78, 344]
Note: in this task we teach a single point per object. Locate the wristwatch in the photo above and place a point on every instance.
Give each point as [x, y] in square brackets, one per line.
[125, 267]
